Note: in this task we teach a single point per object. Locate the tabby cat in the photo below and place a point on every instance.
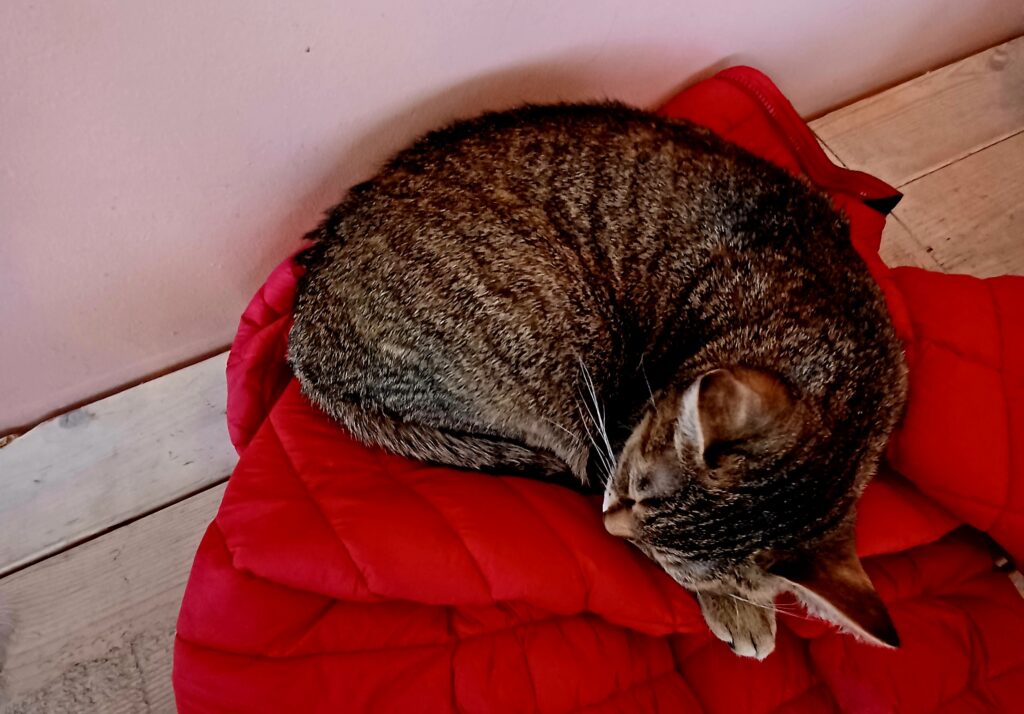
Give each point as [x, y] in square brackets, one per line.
[597, 294]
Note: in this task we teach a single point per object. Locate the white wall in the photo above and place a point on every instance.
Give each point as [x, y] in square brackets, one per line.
[157, 158]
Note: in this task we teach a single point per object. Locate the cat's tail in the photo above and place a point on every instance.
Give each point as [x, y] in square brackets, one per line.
[478, 452]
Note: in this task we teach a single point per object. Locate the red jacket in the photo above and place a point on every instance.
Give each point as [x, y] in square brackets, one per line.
[340, 578]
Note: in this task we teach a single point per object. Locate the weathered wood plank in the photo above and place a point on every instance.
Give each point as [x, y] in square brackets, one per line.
[934, 120]
[832, 156]
[94, 625]
[899, 247]
[111, 461]
[969, 216]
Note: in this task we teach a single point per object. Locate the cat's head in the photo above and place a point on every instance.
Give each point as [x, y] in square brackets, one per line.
[728, 484]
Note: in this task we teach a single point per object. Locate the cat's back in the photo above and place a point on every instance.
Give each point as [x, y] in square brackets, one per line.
[479, 264]
[544, 206]
[564, 158]
[483, 262]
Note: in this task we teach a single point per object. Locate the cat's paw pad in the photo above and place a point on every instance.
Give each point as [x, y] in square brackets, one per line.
[753, 643]
[748, 629]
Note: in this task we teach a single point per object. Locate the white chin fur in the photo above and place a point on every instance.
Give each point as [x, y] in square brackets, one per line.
[609, 499]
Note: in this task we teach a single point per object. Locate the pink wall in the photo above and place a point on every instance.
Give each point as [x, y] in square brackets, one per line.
[156, 159]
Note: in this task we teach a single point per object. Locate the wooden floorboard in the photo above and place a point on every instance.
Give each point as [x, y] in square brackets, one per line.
[94, 625]
[951, 141]
[109, 462]
[934, 120]
[969, 216]
[900, 247]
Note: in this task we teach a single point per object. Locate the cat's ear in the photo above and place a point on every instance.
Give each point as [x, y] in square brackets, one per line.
[727, 408]
[834, 586]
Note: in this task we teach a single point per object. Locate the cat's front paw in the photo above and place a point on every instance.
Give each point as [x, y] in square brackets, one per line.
[748, 628]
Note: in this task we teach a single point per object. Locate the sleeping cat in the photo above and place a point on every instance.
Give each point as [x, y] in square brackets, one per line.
[595, 293]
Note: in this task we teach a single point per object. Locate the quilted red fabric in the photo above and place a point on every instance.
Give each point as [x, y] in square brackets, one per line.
[340, 578]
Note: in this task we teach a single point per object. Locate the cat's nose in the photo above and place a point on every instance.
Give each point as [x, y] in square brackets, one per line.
[619, 519]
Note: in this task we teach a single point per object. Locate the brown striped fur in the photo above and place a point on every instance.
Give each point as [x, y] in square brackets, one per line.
[595, 293]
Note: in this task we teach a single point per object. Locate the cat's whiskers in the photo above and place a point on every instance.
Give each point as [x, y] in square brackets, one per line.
[606, 468]
[598, 417]
[650, 391]
[795, 612]
[575, 437]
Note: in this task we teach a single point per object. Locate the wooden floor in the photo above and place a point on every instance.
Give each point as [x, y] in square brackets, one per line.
[101, 509]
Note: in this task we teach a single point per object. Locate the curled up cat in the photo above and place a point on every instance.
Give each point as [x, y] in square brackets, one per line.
[596, 295]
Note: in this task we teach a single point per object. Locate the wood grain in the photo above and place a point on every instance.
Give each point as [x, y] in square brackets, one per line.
[899, 247]
[98, 466]
[934, 120]
[969, 216]
[94, 625]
